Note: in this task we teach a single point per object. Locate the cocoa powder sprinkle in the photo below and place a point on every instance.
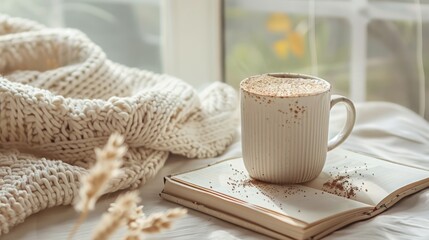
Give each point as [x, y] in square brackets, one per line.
[348, 183]
[268, 85]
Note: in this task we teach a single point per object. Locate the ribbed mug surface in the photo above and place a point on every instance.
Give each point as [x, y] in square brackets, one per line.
[284, 139]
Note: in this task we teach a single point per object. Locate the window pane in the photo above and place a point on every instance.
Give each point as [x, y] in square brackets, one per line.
[259, 42]
[41, 11]
[392, 70]
[128, 31]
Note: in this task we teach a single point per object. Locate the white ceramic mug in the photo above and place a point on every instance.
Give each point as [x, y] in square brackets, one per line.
[285, 139]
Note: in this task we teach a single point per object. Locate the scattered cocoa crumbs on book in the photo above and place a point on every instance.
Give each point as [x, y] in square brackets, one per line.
[341, 186]
[240, 183]
[343, 183]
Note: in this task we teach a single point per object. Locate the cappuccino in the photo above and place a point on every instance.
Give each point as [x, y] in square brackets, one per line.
[283, 85]
[284, 126]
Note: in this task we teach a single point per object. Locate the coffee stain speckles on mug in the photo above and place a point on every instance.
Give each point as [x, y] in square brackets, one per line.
[287, 123]
[281, 111]
[260, 99]
[293, 114]
[297, 111]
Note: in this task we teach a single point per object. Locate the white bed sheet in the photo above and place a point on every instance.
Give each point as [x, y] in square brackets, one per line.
[382, 129]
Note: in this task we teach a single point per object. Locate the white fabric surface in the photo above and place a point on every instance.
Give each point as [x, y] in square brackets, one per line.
[382, 129]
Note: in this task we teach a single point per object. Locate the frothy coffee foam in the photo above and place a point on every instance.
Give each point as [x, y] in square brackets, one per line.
[269, 85]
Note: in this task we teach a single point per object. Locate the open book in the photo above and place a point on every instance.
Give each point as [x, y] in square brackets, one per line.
[352, 187]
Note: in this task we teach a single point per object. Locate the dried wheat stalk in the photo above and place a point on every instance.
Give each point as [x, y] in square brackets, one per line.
[117, 215]
[158, 222]
[155, 223]
[108, 162]
[125, 210]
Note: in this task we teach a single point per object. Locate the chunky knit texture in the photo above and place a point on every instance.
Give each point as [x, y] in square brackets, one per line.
[60, 97]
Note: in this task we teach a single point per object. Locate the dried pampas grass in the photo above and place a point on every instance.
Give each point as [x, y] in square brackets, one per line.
[117, 215]
[93, 185]
[155, 223]
[109, 160]
[158, 222]
[125, 210]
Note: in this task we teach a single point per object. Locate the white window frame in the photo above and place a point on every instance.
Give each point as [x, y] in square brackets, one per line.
[191, 40]
[192, 32]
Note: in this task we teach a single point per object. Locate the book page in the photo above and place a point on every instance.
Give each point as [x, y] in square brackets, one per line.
[364, 178]
[230, 179]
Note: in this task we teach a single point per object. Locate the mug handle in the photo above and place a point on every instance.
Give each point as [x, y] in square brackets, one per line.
[351, 118]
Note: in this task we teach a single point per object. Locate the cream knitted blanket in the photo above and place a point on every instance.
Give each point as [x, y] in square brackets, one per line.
[60, 97]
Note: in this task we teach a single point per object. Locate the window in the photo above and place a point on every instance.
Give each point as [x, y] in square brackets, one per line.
[368, 49]
[127, 30]
[259, 42]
